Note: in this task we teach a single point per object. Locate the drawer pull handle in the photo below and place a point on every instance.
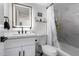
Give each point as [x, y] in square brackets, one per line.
[35, 40]
[23, 53]
[19, 53]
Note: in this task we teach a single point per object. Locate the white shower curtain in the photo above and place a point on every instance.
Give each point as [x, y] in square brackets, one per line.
[51, 29]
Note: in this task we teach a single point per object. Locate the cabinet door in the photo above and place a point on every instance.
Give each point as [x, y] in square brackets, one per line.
[29, 50]
[13, 51]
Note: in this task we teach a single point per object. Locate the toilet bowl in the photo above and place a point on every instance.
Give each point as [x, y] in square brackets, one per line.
[49, 50]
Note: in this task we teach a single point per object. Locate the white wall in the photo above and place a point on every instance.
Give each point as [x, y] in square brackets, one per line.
[1, 13]
[68, 14]
[37, 27]
[1, 18]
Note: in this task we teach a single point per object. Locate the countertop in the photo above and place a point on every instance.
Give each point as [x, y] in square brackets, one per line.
[17, 36]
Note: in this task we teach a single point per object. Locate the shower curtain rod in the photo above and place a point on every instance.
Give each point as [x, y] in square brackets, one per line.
[49, 5]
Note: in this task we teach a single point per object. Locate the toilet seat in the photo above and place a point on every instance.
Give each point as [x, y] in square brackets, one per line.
[49, 50]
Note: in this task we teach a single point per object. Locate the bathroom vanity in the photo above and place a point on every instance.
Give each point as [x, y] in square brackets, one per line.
[22, 45]
[22, 17]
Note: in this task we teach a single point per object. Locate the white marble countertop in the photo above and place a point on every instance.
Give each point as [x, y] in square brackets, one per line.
[28, 35]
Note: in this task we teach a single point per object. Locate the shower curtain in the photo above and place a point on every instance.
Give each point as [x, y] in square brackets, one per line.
[51, 29]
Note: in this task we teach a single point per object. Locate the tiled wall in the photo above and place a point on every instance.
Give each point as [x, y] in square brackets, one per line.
[68, 15]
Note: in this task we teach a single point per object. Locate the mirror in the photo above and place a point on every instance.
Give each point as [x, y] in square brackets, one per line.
[22, 15]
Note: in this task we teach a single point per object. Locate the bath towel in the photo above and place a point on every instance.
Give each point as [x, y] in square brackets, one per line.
[6, 25]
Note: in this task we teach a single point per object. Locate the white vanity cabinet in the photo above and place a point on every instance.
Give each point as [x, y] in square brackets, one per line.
[13, 51]
[20, 47]
[29, 50]
[23, 46]
[21, 51]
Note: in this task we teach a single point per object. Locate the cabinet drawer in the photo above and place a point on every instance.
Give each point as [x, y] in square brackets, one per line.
[19, 42]
[29, 50]
[13, 51]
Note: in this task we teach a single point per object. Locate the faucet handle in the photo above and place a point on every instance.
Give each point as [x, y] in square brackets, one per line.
[30, 27]
[18, 32]
[25, 31]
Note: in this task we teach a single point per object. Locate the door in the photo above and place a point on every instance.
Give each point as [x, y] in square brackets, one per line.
[29, 50]
[13, 51]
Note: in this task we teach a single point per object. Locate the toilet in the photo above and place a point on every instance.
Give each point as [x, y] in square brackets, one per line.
[49, 50]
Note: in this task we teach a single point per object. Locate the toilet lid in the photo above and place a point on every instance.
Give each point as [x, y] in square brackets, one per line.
[50, 50]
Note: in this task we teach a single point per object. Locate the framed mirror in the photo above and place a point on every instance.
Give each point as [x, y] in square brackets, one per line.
[21, 16]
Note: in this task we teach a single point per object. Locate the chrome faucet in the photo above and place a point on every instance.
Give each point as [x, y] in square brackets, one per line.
[22, 30]
[22, 27]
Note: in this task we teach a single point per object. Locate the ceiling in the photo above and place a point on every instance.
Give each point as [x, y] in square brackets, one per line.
[44, 4]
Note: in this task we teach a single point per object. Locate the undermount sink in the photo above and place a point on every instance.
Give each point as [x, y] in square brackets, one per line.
[23, 34]
[15, 34]
[20, 35]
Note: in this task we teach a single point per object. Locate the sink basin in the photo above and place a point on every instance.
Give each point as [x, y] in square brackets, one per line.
[20, 35]
[15, 34]
[27, 34]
